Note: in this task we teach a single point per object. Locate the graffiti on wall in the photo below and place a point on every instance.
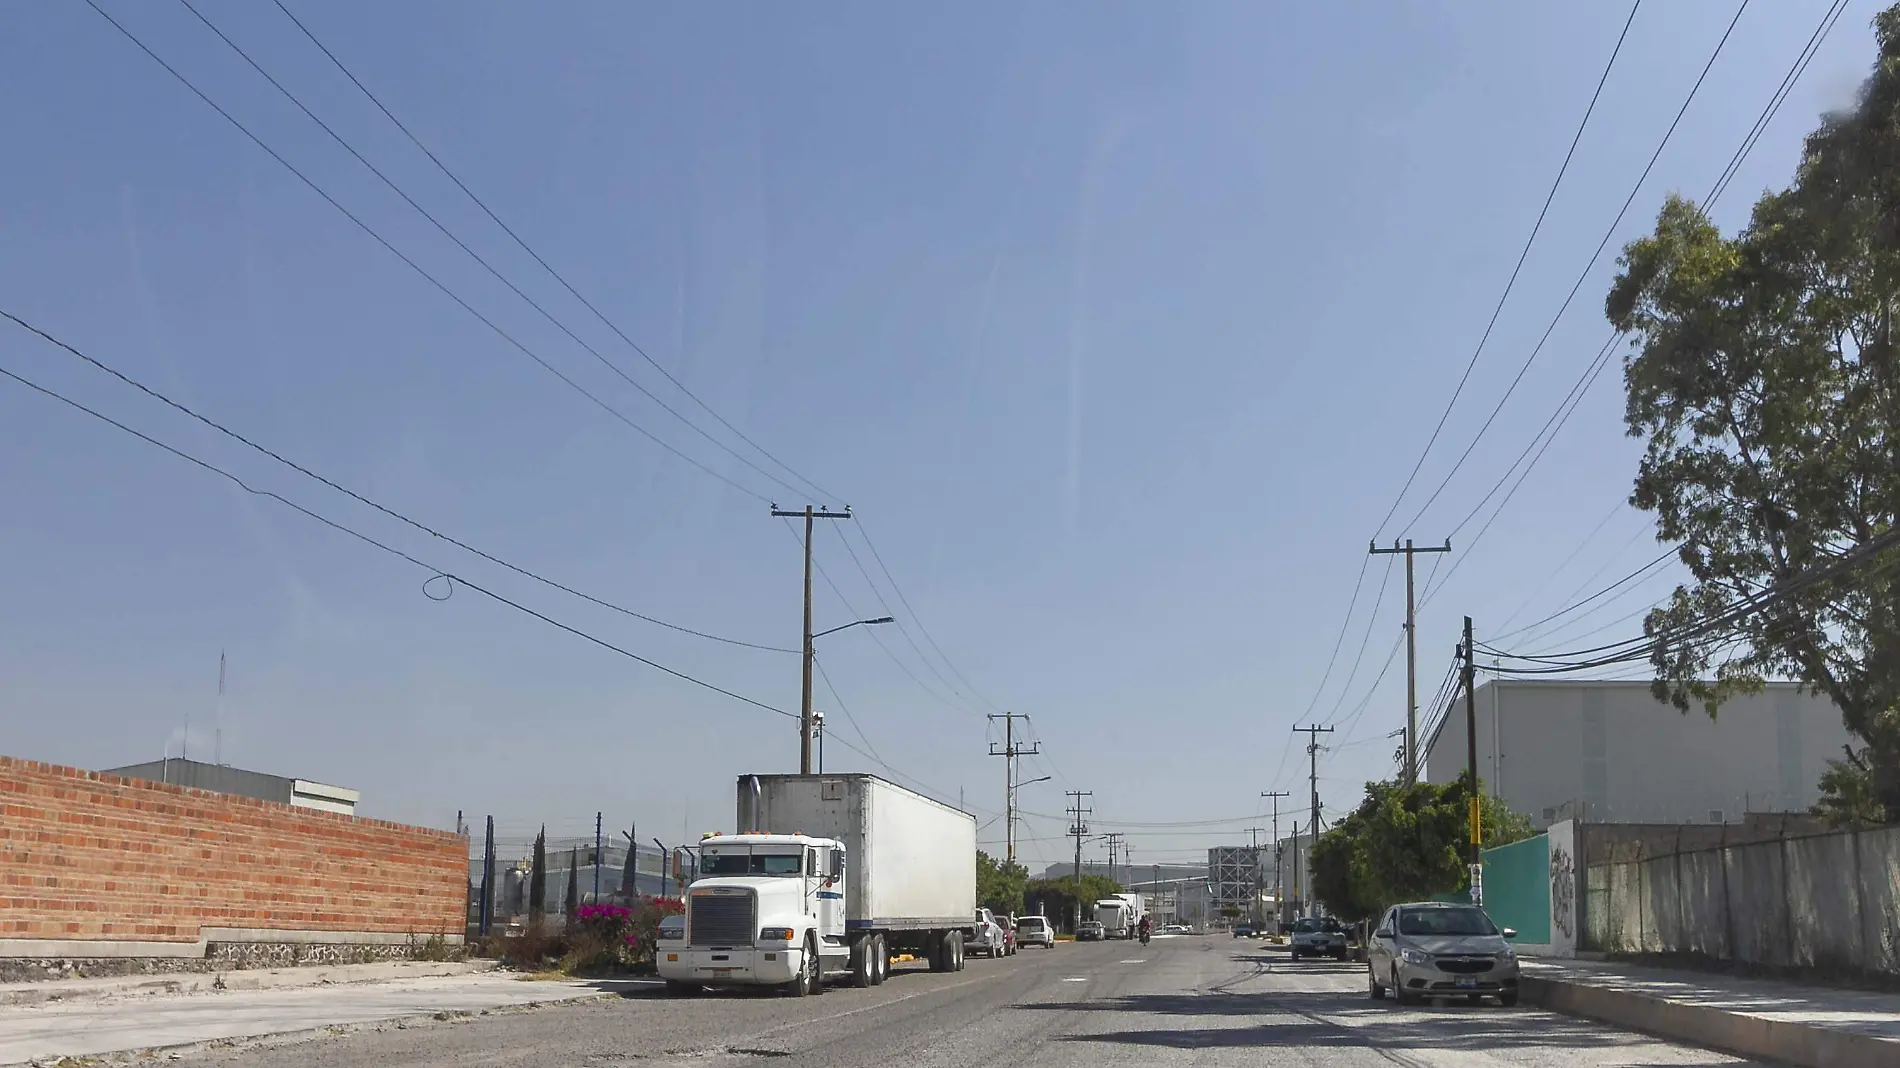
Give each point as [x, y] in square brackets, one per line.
[1563, 889]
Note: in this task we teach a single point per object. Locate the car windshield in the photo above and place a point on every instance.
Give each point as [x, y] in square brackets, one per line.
[1447, 921]
[1031, 923]
[1308, 926]
[749, 864]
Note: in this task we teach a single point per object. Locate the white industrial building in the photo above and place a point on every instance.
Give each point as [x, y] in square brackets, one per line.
[1609, 752]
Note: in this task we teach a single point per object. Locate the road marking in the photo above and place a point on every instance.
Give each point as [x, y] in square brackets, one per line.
[1076, 979]
[1137, 960]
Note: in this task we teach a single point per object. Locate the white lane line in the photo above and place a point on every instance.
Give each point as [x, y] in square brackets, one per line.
[1076, 979]
[1137, 960]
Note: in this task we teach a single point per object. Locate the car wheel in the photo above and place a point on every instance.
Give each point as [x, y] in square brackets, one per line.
[1399, 993]
[1374, 989]
[1508, 999]
[1296, 956]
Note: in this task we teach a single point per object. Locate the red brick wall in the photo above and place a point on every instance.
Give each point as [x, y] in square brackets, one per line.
[91, 856]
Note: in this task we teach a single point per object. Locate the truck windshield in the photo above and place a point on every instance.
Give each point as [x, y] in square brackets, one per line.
[749, 864]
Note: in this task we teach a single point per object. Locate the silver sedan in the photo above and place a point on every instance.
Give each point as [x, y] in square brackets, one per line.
[1434, 950]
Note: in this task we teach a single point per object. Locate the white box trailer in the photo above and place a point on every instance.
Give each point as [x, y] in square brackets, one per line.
[914, 859]
[827, 875]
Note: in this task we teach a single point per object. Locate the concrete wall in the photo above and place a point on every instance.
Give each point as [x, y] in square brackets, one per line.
[1609, 752]
[96, 865]
[1828, 902]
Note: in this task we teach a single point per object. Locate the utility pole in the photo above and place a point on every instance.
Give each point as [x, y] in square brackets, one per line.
[1114, 849]
[1471, 757]
[1312, 732]
[804, 698]
[598, 855]
[1298, 901]
[1078, 825]
[1253, 906]
[1411, 647]
[1279, 903]
[1009, 753]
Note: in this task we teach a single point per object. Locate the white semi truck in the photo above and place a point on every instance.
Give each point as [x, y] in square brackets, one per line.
[1120, 916]
[826, 878]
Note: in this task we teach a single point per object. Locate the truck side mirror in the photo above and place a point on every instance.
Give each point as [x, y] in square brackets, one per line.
[837, 864]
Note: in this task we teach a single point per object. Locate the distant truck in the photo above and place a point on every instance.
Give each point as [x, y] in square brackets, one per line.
[827, 877]
[1120, 915]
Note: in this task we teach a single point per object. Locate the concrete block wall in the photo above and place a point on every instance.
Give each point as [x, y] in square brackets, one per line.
[93, 864]
[1828, 902]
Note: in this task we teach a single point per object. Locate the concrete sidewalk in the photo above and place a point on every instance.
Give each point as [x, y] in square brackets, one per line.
[137, 1023]
[44, 990]
[1808, 1026]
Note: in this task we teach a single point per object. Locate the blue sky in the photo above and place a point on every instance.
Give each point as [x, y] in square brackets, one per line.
[1118, 327]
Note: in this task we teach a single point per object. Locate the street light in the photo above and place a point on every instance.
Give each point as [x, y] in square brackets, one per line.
[856, 623]
[804, 698]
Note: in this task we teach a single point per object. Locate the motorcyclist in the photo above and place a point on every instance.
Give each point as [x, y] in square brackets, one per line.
[1146, 925]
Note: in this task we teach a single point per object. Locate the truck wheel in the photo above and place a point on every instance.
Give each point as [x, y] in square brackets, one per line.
[956, 946]
[880, 960]
[934, 954]
[810, 970]
[862, 971]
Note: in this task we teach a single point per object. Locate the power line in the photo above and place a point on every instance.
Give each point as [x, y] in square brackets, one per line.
[358, 497]
[1583, 275]
[1548, 434]
[477, 257]
[1828, 19]
[1667, 554]
[865, 533]
[1779, 97]
[414, 266]
[453, 580]
[882, 603]
[525, 247]
[1558, 570]
[1511, 283]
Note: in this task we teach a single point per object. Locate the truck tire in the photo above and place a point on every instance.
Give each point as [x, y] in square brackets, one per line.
[934, 952]
[863, 972]
[809, 972]
[956, 952]
[880, 960]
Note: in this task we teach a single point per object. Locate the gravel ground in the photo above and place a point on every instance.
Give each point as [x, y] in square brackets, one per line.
[1205, 1002]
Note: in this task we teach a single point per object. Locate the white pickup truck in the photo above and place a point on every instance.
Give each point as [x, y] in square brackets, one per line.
[828, 876]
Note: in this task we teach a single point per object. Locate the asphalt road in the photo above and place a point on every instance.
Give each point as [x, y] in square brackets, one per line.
[1204, 1001]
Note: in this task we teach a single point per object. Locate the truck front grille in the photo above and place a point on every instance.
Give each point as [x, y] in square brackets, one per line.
[722, 920]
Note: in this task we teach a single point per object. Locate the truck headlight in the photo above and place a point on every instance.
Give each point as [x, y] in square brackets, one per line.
[1415, 956]
[776, 934]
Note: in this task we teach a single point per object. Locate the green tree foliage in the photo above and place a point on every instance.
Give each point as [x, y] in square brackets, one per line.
[573, 901]
[1765, 378]
[538, 876]
[1058, 899]
[1403, 843]
[999, 885]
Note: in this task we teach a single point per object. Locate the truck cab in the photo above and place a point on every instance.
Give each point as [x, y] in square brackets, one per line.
[767, 909]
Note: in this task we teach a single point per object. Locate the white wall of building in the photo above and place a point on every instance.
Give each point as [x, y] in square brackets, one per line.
[1612, 752]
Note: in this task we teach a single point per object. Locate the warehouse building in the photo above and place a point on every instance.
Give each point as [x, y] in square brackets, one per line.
[224, 779]
[1609, 752]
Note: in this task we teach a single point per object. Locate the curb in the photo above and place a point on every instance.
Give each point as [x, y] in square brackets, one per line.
[1801, 1044]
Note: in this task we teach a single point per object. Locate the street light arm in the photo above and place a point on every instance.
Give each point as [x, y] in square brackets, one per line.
[855, 623]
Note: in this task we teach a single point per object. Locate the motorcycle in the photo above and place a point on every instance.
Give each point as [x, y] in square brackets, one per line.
[1144, 936]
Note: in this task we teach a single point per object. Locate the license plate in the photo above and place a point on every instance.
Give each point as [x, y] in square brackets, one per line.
[722, 972]
[1465, 983]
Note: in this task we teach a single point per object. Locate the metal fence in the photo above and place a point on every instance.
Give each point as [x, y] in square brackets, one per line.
[604, 862]
[1829, 902]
